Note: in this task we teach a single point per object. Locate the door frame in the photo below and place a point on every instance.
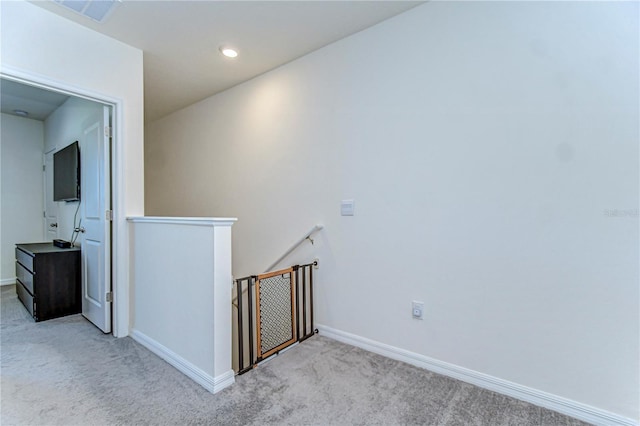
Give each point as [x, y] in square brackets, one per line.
[119, 259]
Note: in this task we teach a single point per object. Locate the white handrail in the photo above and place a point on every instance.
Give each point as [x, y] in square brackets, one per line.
[295, 245]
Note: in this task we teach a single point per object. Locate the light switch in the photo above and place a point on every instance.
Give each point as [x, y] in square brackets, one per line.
[347, 208]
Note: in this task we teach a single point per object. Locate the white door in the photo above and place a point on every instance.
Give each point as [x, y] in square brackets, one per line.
[95, 196]
[50, 206]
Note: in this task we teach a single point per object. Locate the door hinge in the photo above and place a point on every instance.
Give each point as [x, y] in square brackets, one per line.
[109, 297]
[107, 132]
[109, 215]
[44, 168]
[44, 214]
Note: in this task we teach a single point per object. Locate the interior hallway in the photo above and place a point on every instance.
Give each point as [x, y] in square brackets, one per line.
[66, 372]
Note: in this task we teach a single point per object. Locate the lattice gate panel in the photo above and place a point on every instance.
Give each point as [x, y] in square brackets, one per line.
[273, 311]
[275, 295]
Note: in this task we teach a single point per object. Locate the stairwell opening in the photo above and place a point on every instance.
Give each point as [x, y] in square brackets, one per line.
[272, 311]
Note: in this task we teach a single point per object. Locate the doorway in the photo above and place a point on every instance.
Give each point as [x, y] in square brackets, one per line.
[88, 121]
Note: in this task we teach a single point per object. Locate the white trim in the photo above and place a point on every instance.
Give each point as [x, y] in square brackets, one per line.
[32, 79]
[7, 281]
[223, 381]
[119, 258]
[543, 399]
[120, 284]
[212, 384]
[195, 221]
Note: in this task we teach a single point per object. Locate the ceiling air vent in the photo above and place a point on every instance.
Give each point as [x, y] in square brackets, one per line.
[96, 10]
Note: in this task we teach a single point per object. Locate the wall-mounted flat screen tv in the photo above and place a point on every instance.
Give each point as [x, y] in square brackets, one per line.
[66, 173]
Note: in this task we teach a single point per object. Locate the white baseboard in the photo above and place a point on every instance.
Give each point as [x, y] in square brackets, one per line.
[7, 281]
[210, 383]
[543, 399]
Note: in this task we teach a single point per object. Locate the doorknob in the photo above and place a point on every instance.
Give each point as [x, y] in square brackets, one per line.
[53, 225]
[80, 229]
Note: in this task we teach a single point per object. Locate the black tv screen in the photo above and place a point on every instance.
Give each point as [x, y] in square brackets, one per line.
[66, 173]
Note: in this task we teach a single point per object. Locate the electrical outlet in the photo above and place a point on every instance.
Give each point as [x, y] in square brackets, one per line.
[417, 310]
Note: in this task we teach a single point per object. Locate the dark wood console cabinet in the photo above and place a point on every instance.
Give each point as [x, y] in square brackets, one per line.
[48, 280]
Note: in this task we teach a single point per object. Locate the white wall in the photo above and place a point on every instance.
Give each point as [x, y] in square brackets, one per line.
[183, 296]
[39, 46]
[21, 143]
[63, 127]
[487, 146]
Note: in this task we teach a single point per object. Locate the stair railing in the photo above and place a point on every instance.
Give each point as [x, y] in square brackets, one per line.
[294, 246]
[247, 323]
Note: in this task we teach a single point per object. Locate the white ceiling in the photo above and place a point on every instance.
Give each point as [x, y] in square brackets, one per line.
[39, 103]
[180, 39]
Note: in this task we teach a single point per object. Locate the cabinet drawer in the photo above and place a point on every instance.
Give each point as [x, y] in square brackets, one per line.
[25, 277]
[25, 297]
[25, 259]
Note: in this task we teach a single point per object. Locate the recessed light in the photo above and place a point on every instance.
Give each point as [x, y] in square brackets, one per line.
[228, 52]
[21, 112]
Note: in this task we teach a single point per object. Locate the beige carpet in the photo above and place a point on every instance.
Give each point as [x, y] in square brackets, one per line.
[66, 372]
